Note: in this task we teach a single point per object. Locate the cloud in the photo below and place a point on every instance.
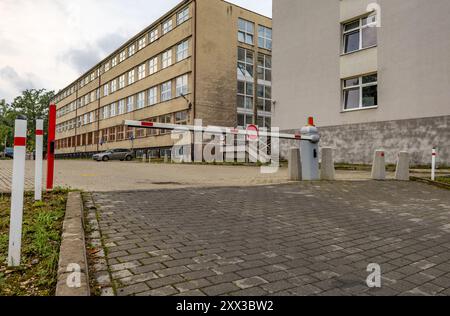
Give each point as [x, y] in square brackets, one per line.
[10, 80]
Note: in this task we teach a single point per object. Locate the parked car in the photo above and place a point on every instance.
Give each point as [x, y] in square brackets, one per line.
[9, 152]
[114, 154]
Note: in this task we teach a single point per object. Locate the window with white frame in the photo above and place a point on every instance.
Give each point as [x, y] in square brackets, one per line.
[113, 85]
[114, 62]
[153, 35]
[245, 64]
[131, 50]
[265, 37]
[182, 85]
[130, 104]
[112, 109]
[166, 91]
[183, 16]
[359, 34]
[122, 56]
[245, 95]
[244, 119]
[92, 76]
[182, 50]
[181, 118]
[264, 69]
[264, 102]
[121, 107]
[122, 82]
[153, 65]
[131, 76]
[264, 121]
[141, 72]
[153, 96]
[167, 26]
[165, 119]
[140, 100]
[107, 66]
[246, 31]
[85, 119]
[360, 92]
[167, 59]
[142, 42]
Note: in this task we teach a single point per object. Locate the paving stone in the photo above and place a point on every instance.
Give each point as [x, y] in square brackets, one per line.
[220, 289]
[250, 282]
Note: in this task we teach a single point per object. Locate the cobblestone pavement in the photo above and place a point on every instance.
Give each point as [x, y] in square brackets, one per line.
[119, 176]
[292, 239]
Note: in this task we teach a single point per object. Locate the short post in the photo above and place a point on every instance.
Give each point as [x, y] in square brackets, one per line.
[309, 151]
[38, 160]
[433, 164]
[379, 166]
[17, 193]
[51, 146]
[295, 165]
[327, 171]
[402, 171]
[166, 158]
[144, 158]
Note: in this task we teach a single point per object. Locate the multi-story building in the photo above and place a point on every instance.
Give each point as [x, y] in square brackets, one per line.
[204, 59]
[374, 74]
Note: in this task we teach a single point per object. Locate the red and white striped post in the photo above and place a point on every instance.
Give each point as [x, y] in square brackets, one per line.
[433, 164]
[51, 146]
[38, 161]
[17, 193]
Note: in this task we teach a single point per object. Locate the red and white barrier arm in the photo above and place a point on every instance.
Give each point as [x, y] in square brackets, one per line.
[215, 130]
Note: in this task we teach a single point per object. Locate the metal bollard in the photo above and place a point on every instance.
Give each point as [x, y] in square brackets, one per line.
[327, 167]
[309, 152]
[402, 171]
[295, 165]
[379, 166]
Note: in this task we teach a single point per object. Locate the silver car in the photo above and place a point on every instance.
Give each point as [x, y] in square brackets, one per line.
[114, 154]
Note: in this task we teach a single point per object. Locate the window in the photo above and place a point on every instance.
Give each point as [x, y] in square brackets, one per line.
[121, 107]
[130, 133]
[166, 59]
[182, 16]
[130, 104]
[265, 37]
[141, 72]
[264, 121]
[182, 85]
[112, 134]
[151, 131]
[106, 90]
[112, 110]
[141, 100]
[153, 65]
[122, 82]
[360, 92]
[167, 26]
[114, 62]
[153, 35]
[264, 68]
[245, 95]
[120, 132]
[244, 120]
[152, 96]
[122, 56]
[131, 50]
[113, 85]
[182, 50]
[107, 66]
[264, 102]
[166, 119]
[359, 34]
[246, 31]
[166, 91]
[142, 42]
[245, 64]
[106, 112]
[131, 77]
[181, 118]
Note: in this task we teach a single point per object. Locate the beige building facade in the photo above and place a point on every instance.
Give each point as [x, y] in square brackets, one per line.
[205, 59]
[374, 74]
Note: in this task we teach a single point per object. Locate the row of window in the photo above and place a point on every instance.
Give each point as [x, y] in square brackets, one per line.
[246, 34]
[148, 68]
[167, 26]
[121, 133]
[263, 120]
[139, 101]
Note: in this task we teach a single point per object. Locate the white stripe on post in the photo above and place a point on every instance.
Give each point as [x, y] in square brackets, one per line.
[38, 162]
[433, 165]
[17, 192]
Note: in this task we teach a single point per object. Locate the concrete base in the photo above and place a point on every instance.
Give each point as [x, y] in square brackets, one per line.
[295, 165]
[327, 171]
[379, 166]
[402, 171]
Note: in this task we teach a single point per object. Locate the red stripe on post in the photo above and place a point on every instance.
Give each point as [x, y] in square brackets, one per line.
[20, 141]
[39, 132]
[311, 121]
[147, 124]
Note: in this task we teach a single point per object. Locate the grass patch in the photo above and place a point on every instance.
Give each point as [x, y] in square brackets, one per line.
[41, 239]
[445, 180]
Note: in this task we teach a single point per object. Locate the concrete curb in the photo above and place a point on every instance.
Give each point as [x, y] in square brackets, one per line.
[72, 265]
[430, 182]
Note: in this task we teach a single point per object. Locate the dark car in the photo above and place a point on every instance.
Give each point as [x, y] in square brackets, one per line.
[114, 154]
[9, 152]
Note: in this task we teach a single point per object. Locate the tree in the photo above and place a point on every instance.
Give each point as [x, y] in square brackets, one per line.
[34, 105]
[7, 116]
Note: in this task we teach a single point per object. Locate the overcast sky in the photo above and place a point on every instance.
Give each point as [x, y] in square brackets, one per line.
[49, 43]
